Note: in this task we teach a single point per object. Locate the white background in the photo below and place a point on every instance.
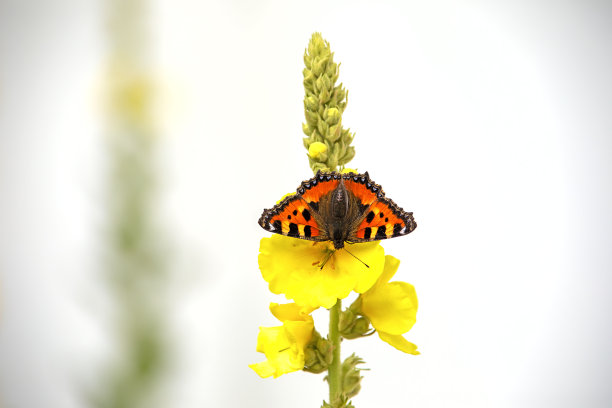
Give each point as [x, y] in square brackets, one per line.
[491, 121]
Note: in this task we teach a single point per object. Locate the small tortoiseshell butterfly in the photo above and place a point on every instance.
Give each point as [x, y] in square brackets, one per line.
[339, 208]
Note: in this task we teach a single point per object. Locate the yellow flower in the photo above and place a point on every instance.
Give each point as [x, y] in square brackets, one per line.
[284, 345]
[391, 307]
[316, 149]
[293, 267]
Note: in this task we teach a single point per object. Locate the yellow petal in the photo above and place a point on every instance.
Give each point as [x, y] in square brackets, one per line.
[271, 336]
[347, 170]
[284, 348]
[391, 307]
[264, 369]
[291, 266]
[299, 333]
[291, 311]
[391, 265]
[399, 342]
[285, 196]
[372, 254]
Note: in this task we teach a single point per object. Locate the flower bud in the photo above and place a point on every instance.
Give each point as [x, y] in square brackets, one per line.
[335, 132]
[324, 96]
[322, 127]
[332, 116]
[332, 70]
[311, 103]
[317, 354]
[317, 149]
[319, 84]
[320, 65]
[327, 83]
[351, 376]
[312, 118]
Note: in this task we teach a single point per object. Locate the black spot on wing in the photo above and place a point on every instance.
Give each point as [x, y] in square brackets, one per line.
[314, 205]
[370, 216]
[396, 229]
[381, 233]
[306, 214]
[293, 230]
[307, 231]
[367, 233]
[277, 226]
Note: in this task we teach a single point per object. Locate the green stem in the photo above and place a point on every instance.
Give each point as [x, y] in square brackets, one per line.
[334, 373]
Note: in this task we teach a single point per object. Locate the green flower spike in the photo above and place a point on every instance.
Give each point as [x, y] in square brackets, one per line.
[324, 103]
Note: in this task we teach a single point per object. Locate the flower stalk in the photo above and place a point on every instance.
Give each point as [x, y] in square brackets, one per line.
[334, 373]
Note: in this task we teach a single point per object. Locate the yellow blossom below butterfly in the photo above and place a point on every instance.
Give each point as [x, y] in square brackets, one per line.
[293, 267]
[284, 345]
[391, 307]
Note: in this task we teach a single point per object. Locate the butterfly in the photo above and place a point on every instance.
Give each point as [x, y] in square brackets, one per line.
[339, 208]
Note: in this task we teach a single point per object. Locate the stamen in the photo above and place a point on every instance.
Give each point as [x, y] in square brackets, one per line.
[327, 259]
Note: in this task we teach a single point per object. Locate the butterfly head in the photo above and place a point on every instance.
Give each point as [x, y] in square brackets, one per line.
[338, 242]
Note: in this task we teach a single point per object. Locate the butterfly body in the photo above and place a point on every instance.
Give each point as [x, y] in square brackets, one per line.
[339, 208]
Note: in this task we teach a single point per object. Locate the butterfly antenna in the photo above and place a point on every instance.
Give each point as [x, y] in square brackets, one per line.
[367, 266]
[327, 259]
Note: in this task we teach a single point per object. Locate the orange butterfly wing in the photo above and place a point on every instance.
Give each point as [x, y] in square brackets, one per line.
[382, 218]
[291, 217]
[296, 215]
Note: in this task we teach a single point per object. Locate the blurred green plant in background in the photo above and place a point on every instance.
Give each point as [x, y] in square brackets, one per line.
[135, 267]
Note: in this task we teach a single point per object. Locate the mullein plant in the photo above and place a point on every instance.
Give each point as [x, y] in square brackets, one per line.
[135, 261]
[292, 266]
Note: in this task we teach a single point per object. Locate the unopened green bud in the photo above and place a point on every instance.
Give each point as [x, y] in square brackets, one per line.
[334, 133]
[319, 84]
[317, 354]
[322, 127]
[311, 103]
[312, 118]
[307, 62]
[351, 376]
[319, 66]
[327, 84]
[332, 116]
[348, 156]
[353, 324]
[320, 166]
[324, 96]
[332, 69]
[362, 326]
